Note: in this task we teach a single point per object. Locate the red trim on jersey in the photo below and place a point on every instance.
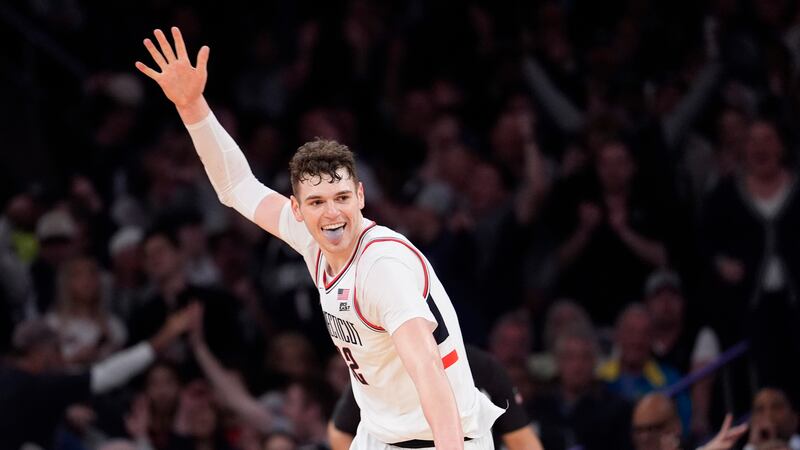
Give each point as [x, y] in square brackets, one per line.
[422, 261]
[316, 268]
[364, 320]
[352, 258]
[450, 359]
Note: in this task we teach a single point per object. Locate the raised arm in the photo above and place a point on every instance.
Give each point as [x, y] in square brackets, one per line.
[224, 162]
[233, 394]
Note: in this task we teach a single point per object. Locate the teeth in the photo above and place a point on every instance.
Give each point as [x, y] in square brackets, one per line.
[333, 226]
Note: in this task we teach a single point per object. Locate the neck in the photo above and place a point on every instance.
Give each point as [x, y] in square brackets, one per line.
[631, 367]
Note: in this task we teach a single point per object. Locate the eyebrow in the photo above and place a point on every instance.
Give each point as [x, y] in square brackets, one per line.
[315, 197]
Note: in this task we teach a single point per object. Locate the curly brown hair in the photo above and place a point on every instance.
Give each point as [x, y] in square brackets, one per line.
[319, 160]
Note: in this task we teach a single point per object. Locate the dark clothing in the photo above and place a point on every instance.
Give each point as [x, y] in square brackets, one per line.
[606, 275]
[31, 406]
[219, 321]
[489, 377]
[734, 228]
[600, 420]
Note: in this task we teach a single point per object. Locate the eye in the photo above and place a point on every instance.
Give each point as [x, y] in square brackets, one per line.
[342, 198]
[316, 202]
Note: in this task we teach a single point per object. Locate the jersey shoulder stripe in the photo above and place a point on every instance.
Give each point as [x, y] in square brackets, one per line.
[363, 319]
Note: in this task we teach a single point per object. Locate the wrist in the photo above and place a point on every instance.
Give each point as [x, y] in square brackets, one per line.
[194, 111]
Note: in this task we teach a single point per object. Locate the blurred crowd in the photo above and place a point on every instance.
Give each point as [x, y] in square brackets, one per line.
[607, 190]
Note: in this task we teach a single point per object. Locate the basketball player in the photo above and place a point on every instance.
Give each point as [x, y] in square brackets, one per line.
[384, 307]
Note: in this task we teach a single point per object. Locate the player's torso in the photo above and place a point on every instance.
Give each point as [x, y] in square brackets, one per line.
[385, 392]
[366, 348]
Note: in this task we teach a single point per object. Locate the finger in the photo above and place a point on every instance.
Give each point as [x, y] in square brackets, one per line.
[166, 49]
[157, 56]
[180, 46]
[726, 423]
[202, 58]
[737, 431]
[146, 70]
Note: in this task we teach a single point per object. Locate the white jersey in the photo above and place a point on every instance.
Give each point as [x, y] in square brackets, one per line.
[386, 282]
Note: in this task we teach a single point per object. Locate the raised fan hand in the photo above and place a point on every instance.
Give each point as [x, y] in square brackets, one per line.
[181, 82]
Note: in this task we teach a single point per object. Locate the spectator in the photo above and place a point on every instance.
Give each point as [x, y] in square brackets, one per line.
[57, 233]
[562, 316]
[510, 340]
[773, 419]
[754, 280]
[127, 270]
[165, 266]
[632, 371]
[680, 345]
[615, 238]
[579, 410]
[86, 328]
[159, 401]
[35, 391]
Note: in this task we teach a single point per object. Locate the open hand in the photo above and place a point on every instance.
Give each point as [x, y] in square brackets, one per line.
[182, 83]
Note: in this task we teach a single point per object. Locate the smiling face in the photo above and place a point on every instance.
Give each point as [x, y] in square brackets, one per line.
[331, 210]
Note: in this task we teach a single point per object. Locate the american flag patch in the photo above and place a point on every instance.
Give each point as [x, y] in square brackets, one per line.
[342, 294]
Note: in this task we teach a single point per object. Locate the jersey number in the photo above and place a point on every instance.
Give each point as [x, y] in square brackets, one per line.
[348, 357]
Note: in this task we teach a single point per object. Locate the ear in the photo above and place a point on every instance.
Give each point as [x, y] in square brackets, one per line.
[360, 195]
[298, 216]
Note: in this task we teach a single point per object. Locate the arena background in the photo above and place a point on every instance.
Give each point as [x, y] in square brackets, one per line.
[619, 173]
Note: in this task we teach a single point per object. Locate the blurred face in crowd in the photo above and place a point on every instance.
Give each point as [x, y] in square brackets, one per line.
[615, 168]
[486, 190]
[162, 259]
[302, 410]
[771, 408]
[193, 239]
[633, 336]
[331, 210]
[732, 129]
[162, 389]
[510, 343]
[575, 358]
[666, 308]
[764, 151]
[128, 259]
[203, 421]
[444, 133]
[83, 280]
[561, 316]
[655, 424]
[292, 355]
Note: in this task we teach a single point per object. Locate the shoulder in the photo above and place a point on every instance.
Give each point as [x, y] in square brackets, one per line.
[384, 246]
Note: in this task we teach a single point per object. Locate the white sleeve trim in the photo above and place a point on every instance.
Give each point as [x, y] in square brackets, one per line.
[121, 367]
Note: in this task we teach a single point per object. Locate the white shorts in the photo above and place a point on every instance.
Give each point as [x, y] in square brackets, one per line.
[365, 441]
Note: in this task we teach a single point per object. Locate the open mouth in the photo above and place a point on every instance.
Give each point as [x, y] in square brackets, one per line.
[334, 232]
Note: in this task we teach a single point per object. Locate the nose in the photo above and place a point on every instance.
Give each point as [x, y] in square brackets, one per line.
[330, 208]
